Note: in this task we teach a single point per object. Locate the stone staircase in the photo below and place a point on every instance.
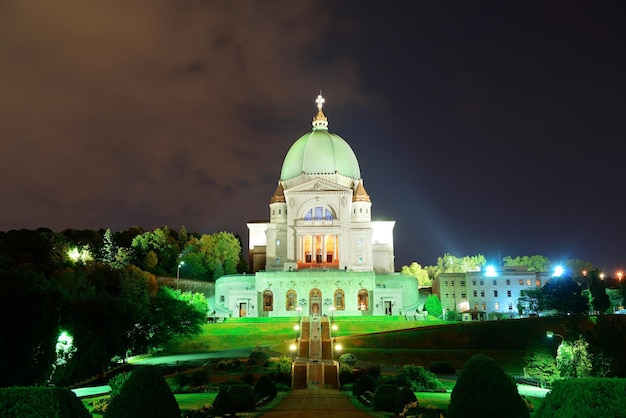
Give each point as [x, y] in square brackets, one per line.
[314, 366]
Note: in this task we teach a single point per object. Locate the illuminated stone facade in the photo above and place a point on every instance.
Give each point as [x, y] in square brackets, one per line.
[320, 253]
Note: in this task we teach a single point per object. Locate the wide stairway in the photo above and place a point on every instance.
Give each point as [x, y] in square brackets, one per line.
[313, 366]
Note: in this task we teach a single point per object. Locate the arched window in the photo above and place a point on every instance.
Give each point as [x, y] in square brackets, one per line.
[292, 300]
[268, 300]
[339, 300]
[363, 300]
[318, 213]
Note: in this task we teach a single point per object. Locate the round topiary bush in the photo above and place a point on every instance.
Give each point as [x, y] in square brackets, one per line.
[483, 389]
[406, 402]
[384, 399]
[144, 394]
[363, 384]
[265, 387]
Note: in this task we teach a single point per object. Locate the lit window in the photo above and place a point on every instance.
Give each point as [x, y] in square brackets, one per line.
[528, 282]
[318, 213]
[278, 243]
[268, 301]
[497, 306]
[538, 283]
[484, 306]
[521, 282]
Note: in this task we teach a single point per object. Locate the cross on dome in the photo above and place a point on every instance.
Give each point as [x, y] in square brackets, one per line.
[320, 101]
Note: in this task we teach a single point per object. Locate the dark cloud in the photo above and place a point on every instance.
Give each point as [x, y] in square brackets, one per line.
[479, 128]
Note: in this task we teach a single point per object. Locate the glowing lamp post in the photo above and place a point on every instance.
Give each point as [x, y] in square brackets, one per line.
[296, 328]
[292, 349]
[551, 334]
[178, 272]
[332, 313]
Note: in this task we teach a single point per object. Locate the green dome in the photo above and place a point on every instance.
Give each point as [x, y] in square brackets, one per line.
[320, 152]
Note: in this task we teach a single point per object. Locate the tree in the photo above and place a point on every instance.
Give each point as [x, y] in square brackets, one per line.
[533, 263]
[221, 253]
[597, 289]
[109, 250]
[451, 264]
[531, 301]
[541, 365]
[564, 295]
[420, 274]
[573, 359]
[433, 306]
[483, 389]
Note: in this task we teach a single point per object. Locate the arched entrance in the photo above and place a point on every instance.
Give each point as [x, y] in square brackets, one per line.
[315, 302]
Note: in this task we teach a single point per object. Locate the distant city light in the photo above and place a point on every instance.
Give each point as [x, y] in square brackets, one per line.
[558, 271]
[490, 271]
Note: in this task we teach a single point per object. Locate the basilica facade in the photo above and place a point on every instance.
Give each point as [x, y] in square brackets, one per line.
[320, 253]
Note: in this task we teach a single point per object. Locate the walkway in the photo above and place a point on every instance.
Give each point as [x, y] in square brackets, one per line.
[316, 403]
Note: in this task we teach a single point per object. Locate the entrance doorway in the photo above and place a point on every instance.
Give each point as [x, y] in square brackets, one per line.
[388, 307]
[243, 309]
[315, 302]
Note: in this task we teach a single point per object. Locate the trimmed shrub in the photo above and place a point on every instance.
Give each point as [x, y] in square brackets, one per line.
[384, 399]
[117, 381]
[373, 370]
[588, 397]
[441, 367]
[363, 384]
[405, 398]
[235, 398]
[145, 394]
[265, 387]
[258, 357]
[418, 379]
[483, 389]
[35, 402]
[348, 358]
[346, 375]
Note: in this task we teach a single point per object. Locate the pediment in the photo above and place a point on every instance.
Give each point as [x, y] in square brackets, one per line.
[318, 185]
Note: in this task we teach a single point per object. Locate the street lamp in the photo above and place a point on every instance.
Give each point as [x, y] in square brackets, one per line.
[178, 273]
[332, 313]
[296, 328]
[551, 334]
[292, 349]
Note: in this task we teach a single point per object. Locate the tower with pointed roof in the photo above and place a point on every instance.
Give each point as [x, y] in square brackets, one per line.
[320, 212]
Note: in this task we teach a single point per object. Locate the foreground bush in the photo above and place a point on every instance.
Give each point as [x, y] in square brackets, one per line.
[265, 388]
[35, 402]
[363, 384]
[405, 398]
[384, 399]
[419, 379]
[599, 397]
[483, 389]
[144, 394]
[233, 399]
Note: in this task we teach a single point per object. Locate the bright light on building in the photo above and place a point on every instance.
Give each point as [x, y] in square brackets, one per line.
[558, 271]
[490, 271]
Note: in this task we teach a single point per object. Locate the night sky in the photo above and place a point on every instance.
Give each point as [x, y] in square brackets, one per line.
[492, 128]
